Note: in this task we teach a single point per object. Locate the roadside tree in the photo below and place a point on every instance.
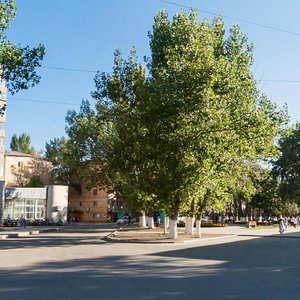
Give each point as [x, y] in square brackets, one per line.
[171, 138]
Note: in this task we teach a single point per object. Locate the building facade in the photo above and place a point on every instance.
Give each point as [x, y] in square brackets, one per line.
[49, 202]
[19, 167]
[94, 205]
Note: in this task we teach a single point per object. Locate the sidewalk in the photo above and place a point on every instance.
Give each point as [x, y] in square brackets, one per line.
[134, 234]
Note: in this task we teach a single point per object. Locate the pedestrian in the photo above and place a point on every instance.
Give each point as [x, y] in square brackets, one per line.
[281, 224]
[22, 222]
[129, 219]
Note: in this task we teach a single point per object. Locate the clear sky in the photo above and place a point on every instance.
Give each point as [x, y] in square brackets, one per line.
[83, 35]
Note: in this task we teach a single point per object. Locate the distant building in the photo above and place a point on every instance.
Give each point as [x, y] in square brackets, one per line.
[20, 167]
[16, 169]
[94, 205]
[16, 200]
[50, 202]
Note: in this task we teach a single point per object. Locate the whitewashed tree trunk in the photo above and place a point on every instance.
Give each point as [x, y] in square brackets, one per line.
[167, 221]
[142, 220]
[189, 225]
[173, 229]
[166, 224]
[150, 222]
[198, 229]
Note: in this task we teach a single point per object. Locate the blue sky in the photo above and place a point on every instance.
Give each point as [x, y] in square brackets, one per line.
[83, 35]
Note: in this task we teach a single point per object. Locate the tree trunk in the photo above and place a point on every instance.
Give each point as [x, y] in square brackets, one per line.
[190, 220]
[173, 229]
[198, 227]
[166, 223]
[173, 221]
[189, 225]
[142, 220]
[150, 222]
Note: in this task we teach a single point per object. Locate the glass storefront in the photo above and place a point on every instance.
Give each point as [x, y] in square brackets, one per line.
[28, 208]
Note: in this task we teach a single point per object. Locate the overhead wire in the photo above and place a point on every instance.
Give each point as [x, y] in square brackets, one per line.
[69, 69]
[42, 101]
[233, 18]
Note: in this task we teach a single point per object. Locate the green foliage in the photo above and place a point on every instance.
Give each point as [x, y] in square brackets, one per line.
[267, 197]
[21, 143]
[65, 166]
[184, 131]
[35, 181]
[17, 64]
[287, 166]
[209, 115]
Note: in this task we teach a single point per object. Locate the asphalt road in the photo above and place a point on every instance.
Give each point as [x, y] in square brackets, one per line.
[78, 264]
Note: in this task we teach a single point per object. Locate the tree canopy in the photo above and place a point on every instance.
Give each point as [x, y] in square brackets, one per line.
[179, 131]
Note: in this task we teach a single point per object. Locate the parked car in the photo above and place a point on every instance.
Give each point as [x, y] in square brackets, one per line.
[124, 220]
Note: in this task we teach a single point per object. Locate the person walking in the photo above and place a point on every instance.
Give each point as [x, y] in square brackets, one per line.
[23, 222]
[281, 224]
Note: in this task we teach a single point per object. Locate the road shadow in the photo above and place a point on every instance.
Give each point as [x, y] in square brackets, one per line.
[261, 268]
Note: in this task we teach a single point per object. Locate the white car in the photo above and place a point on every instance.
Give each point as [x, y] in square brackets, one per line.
[124, 220]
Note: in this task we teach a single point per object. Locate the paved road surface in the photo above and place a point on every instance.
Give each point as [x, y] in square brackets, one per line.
[77, 264]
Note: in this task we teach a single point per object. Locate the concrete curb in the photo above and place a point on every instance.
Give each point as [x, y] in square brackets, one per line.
[20, 234]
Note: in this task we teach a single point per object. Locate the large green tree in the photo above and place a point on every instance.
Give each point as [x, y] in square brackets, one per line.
[174, 135]
[209, 115]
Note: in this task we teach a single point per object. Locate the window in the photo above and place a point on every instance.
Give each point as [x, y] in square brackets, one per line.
[20, 164]
[95, 216]
[28, 208]
[95, 191]
[95, 203]
[80, 203]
